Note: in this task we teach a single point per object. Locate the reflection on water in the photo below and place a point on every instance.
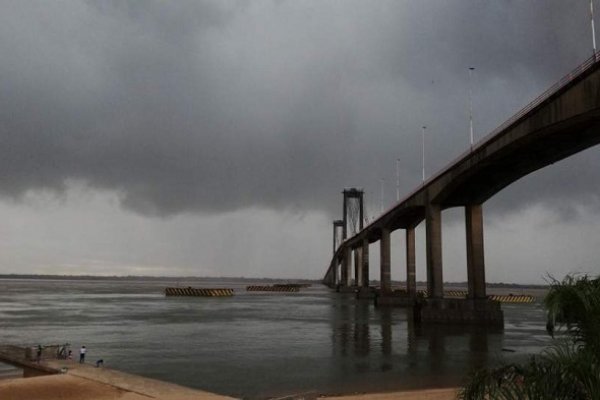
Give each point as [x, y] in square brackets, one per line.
[385, 342]
[256, 345]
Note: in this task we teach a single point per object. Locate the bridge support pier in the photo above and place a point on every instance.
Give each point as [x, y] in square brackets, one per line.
[433, 245]
[407, 299]
[475, 258]
[335, 274]
[329, 279]
[345, 284]
[385, 296]
[476, 308]
[348, 266]
[364, 291]
[357, 266]
[385, 255]
[411, 279]
[364, 260]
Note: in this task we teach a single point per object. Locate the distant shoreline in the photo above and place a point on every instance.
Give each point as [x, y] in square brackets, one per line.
[212, 278]
[155, 278]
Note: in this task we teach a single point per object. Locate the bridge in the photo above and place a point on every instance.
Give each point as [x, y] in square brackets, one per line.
[562, 121]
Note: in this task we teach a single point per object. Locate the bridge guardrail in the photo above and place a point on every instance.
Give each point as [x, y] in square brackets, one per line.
[576, 72]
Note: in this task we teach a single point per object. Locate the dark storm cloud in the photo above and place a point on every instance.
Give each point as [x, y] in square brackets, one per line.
[215, 106]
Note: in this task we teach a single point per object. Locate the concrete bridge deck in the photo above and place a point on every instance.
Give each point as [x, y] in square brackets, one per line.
[562, 121]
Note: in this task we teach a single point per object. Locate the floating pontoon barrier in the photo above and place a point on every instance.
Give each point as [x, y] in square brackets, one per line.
[462, 294]
[274, 288]
[197, 292]
[510, 298]
[456, 293]
[522, 298]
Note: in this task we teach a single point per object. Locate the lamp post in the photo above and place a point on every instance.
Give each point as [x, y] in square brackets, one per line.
[397, 179]
[382, 183]
[423, 150]
[471, 69]
[593, 30]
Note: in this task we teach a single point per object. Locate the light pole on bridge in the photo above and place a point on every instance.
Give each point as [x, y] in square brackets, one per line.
[593, 30]
[382, 184]
[397, 179]
[423, 150]
[471, 69]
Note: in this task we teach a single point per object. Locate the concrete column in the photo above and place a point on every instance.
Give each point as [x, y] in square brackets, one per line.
[334, 273]
[384, 245]
[347, 267]
[433, 233]
[334, 249]
[411, 279]
[356, 266]
[475, 257]
[345, 219]
[344, 268]
[365, 263]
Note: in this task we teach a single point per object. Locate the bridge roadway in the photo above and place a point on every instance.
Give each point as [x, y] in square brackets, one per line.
[562, 121]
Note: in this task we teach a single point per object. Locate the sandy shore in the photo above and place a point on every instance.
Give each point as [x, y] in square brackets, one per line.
[61, 387]
[426, 394]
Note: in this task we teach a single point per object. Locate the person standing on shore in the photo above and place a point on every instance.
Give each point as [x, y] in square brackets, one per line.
[82, 354]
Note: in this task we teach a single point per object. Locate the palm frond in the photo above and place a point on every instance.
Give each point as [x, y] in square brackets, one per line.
[575, 304]
[569, 369]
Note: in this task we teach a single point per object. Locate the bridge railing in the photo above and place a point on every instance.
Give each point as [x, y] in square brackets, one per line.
[564, 81]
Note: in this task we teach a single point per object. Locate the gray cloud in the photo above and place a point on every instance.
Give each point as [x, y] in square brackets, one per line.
[214, 106]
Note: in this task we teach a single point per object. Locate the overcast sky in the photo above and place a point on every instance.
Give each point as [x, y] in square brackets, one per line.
[213, 138]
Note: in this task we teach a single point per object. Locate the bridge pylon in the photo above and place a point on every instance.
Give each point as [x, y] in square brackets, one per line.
[353, 211]
[352, 223]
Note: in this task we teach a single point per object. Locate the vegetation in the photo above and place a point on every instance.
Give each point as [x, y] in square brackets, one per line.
[570, 367]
